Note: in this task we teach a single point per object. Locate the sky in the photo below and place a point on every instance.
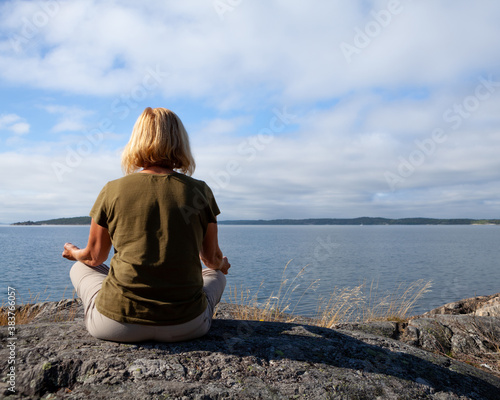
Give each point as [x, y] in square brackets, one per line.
[295, 109]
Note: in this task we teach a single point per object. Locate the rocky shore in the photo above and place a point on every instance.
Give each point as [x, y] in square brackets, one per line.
[56, 358]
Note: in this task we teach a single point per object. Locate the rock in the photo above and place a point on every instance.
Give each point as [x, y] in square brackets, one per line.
[387, 329]
[471, 338]
[490, 307]
[468, 330]
[57, 358]
[486, 306]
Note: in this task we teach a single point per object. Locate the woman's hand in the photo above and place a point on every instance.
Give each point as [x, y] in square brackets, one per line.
[210, 253]
[68, 251]
[224, 265]
[97, 250]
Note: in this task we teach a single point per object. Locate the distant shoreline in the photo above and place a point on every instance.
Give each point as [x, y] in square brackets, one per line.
[58, 221]
[309, 221]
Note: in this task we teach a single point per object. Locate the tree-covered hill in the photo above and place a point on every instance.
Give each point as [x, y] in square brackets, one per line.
[364, 221]
[310, 221]
[59, 221]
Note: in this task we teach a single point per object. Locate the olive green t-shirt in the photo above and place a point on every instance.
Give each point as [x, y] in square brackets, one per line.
[156, 224]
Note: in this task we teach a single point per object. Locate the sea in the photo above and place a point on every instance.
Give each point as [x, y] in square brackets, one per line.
[297, 266]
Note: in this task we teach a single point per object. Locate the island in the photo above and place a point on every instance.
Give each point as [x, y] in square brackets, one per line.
[309, 221]
[58, 221]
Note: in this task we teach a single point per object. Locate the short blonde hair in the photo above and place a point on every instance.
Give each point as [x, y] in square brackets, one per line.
[158, 139]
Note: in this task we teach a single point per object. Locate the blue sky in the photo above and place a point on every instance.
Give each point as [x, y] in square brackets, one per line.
[294, 109]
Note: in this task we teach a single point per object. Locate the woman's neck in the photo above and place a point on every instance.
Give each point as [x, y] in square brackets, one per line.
[156, 170]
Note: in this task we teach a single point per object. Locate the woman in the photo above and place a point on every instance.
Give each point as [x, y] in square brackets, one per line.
[160, 223]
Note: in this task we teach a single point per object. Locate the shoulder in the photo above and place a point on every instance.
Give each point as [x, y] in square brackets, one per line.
[138, 180]
[190, 181]
[124, 180]
[200, 190]
[117, 185]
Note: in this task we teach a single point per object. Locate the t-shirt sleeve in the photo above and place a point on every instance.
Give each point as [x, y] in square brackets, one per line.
[213, 208]
[99, 211]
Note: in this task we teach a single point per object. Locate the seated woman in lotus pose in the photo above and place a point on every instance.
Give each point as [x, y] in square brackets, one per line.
[161, 223]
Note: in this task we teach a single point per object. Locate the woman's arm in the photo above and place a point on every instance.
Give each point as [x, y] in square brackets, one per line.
[97, 250]
[211, 254]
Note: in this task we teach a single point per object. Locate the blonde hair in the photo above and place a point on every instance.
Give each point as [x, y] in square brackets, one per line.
[158, 139]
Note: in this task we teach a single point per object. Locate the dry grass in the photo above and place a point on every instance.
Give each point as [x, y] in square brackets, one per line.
[396, 306]
[25, 312]
[358, 304]
[342, 305]
[355, 305]
[275, 308]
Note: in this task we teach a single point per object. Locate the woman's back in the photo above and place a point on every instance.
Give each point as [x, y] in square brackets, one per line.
[157, 224]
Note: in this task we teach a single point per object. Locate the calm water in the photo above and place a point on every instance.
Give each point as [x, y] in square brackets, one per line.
[461, 261]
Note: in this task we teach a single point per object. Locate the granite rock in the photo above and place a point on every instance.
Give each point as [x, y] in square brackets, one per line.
[484, 306]
[57, 358]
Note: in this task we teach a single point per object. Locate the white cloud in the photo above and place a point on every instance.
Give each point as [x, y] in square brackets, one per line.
[357, 120]
[15, 124]
[340, 169]
[8, 119]
[37, 191]
[216, 128]
[20, 128]
[71, 117]
[106, 47]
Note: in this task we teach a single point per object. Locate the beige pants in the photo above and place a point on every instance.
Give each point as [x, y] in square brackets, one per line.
[88, 281]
